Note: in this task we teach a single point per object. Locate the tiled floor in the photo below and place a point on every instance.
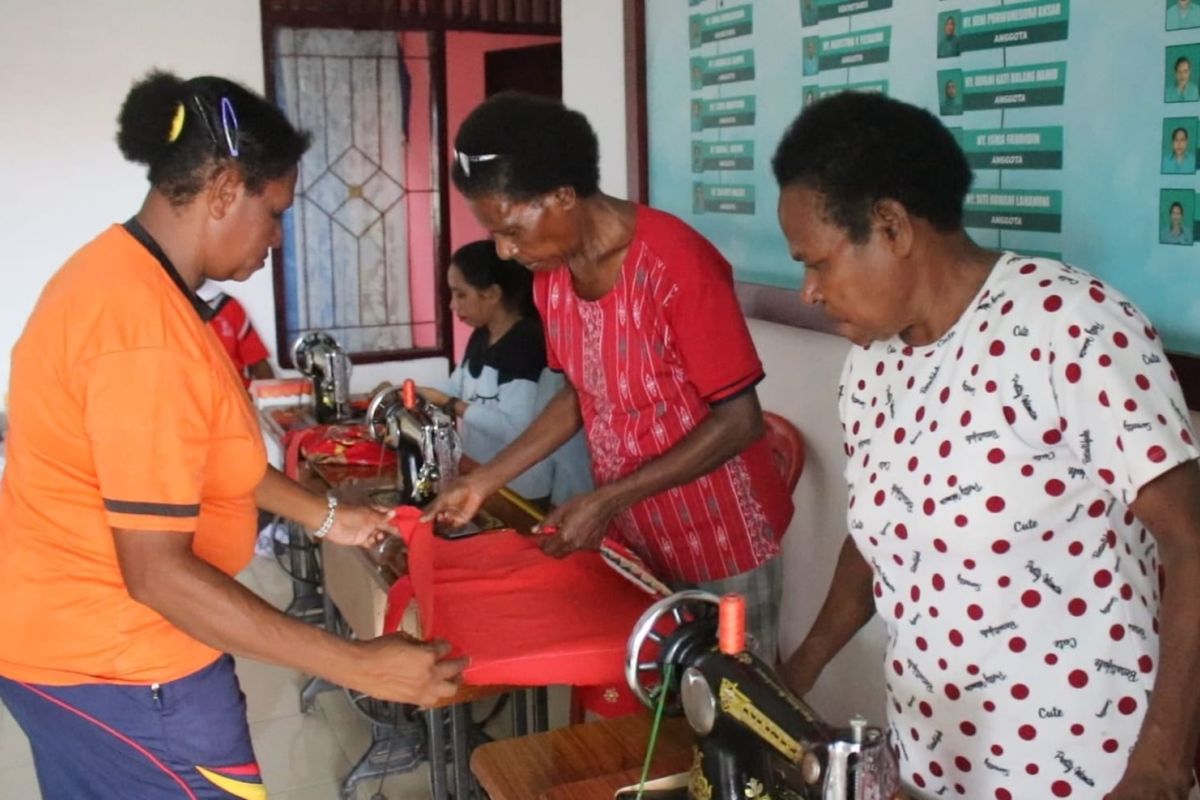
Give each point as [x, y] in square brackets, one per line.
[303, 756]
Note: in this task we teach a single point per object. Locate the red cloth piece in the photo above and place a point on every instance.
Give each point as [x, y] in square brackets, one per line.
[334, 444]
[610, 701]
[521, 617]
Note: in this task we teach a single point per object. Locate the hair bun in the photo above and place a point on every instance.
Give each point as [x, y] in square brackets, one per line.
[144, 123]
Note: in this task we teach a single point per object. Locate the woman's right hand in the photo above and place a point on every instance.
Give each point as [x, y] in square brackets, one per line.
[435, 396]
[401, 670]
[457, 504]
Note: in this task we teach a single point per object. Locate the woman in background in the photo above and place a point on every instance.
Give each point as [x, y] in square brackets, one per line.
[503, 381]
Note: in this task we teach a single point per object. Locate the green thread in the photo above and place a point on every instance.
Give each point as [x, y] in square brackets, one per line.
[658, 713]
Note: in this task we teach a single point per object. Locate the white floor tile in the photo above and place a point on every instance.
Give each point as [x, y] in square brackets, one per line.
[266, 578]
[350, 728]
[409, 786]
[323, 791]
[14, 745]
[20, 783]
[297, 751]
[272, 692]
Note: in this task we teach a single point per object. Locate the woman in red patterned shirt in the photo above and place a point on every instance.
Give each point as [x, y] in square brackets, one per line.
[641, 317]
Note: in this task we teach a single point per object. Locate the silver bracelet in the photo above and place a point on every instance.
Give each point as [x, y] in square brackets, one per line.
[327, 525]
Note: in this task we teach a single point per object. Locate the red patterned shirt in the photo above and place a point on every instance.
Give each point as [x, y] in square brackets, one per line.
[647, 360]
[237, 335]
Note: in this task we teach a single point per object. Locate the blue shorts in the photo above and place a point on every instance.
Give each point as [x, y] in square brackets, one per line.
[185, 739]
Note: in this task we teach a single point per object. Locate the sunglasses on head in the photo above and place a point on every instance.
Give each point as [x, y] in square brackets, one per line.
[465, 161]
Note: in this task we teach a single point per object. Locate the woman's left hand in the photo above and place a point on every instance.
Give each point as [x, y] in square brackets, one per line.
[578, 524]
[360, 525]
[434, 396]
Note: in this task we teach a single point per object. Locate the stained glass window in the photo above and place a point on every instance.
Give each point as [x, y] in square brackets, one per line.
[348, 256]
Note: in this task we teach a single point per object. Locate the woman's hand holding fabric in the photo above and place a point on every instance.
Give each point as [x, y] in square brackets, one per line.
[360, 526]
[578, 524]
[401, 670]
[458, 503]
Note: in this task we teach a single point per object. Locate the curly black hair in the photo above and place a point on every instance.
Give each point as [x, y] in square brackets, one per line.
[482, 267]
[522, 146]
[857, 148]
[180, 165]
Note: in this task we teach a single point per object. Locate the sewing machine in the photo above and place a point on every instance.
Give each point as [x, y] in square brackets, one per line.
[755, 738]
[321, 358]
[424, 437]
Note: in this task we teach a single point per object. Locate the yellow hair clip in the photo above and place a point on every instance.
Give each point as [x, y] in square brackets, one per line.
[176, 123]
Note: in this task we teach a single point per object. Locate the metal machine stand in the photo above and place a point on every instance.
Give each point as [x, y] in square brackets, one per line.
[303, 566]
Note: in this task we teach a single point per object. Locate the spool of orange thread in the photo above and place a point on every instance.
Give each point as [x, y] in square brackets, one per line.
[408, 393]
[731, 624]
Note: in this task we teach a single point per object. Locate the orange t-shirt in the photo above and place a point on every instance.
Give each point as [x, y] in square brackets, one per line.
[124, 413]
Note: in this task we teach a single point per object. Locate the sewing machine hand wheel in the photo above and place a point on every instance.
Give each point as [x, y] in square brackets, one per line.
[303, 347]
[378, 411]
[667, 632]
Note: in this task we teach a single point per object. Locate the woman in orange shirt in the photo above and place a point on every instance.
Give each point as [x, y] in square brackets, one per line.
[135, 466]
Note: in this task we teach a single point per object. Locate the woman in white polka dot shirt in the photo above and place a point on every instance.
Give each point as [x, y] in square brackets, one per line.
[1023, 480]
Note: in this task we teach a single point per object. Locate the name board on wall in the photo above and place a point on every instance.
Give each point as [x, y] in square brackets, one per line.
[1084, 143]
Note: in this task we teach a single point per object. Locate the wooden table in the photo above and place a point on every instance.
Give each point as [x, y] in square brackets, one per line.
[581, 762]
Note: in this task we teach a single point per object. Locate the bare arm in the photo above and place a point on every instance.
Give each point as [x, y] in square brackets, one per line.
[557, 423]
[1161, 763]
[848, 606]
[353, 525]
[280, 495]
[161, 571]
[729, 429]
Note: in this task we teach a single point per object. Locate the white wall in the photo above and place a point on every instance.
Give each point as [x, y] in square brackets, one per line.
[594, 79]
[803, 368]
[65, 66]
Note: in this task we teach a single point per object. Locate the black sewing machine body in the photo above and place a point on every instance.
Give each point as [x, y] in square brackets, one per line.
[755, 738]
[426, 441]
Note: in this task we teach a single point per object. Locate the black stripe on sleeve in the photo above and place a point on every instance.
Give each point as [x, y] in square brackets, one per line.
[152, 509]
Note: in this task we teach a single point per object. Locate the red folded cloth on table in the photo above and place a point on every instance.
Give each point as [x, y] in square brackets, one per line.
[521, 617]
[335, 444]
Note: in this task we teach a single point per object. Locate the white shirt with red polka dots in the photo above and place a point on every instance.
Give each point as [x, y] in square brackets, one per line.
[990, 476]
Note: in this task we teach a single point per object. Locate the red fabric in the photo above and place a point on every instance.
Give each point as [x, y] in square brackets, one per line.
[647, 360]
[609, 701]
[237, 335]
[787, 447]
[521, 617]
[334, 444]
